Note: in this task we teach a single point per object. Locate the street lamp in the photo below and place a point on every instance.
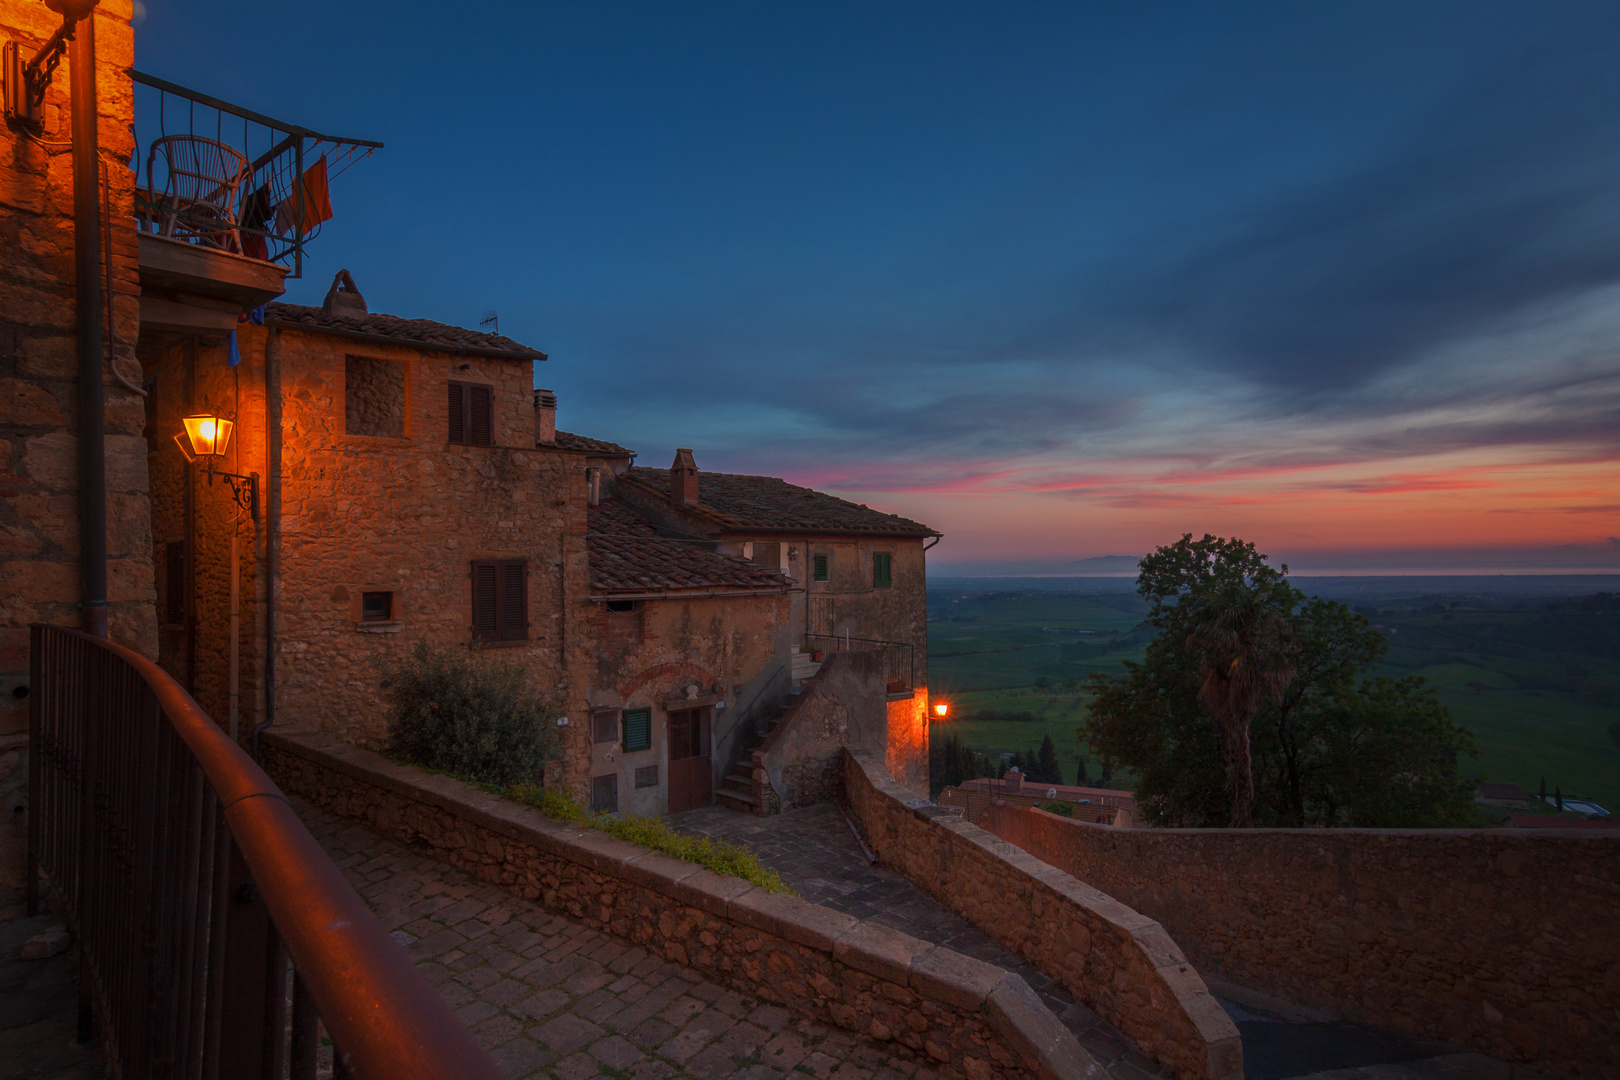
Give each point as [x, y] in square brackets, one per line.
[205, 438]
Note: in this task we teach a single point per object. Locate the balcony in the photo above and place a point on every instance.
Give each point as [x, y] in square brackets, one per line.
[226, 199]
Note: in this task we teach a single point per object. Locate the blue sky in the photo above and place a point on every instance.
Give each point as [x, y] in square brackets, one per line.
[1063, 281]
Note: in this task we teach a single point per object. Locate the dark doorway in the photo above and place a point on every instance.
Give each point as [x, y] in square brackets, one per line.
[690, 783]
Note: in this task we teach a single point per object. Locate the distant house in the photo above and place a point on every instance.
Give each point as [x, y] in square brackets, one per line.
[1498, 794]
[1120, 806]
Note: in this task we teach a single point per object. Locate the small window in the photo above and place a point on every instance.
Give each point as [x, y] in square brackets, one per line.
[820, 562]
[500, 605]
[768, 555]
[472, 414]
[605, 727]
[637, 729]
[647, 776]
[882, 569]
[621, 605]
[373, 397]
[376, 606]
[605, 794]
[174, 585]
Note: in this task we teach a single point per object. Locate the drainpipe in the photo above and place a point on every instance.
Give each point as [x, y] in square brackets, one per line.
[87, 274]
[272, 521]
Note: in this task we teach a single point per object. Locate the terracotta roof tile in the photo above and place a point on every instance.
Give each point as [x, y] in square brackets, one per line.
[627, 555]
[435, 335]
[567, 440]
[765, 502]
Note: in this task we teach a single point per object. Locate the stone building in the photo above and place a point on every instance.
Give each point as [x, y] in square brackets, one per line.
[860, 578]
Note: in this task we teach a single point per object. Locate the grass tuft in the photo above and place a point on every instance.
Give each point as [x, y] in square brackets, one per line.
[716, 855]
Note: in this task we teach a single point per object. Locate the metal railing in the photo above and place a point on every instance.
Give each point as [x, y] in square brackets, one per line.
[195, 894]
[899, 657]
[256, 205]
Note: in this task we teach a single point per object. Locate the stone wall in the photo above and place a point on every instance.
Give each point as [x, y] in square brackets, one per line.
[802, 761]
[967, 1019]
[1119, 962]
[1505, 941]
[39, 480]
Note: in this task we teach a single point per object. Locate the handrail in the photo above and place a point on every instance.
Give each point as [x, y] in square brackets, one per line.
[911, 650]
[389, 1023]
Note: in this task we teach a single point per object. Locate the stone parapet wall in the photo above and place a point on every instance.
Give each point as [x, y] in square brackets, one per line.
[968, 1019]
[802, 762]
[1505, 941]
[1119, 962]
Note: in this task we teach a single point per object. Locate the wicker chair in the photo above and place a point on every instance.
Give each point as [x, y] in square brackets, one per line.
[199, 200]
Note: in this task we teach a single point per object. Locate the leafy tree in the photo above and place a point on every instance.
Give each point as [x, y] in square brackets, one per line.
[1614, 732]
[1247, 676]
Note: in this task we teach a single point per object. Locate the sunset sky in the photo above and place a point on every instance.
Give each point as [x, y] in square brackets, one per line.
[1062, 281]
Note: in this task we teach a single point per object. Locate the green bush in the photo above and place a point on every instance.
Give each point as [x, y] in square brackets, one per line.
[470, 718]
[716, 855]
[1058, 807]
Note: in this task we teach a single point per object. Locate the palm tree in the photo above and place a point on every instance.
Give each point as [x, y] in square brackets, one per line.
[1244, 658]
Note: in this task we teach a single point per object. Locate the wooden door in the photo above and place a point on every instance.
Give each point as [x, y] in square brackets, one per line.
[690, 782]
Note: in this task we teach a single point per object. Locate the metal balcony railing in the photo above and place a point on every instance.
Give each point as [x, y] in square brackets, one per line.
[899, 658]
[216, 174]
[196, 896]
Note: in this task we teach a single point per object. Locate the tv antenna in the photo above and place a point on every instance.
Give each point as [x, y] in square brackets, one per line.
[490, 323]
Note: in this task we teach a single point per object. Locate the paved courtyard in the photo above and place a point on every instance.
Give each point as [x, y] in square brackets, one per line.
[549, 996]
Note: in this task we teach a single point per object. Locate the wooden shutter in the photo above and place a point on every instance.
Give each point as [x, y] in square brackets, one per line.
[486, 601]
[174, 584]
[882, 575]
[821, 567]
[637, 729]
[768, 554]
[458, 412]
[605, 727]
[605, 794]
[480, 415]
[514, 607]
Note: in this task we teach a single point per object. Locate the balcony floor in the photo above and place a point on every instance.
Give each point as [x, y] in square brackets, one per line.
[39, 1005]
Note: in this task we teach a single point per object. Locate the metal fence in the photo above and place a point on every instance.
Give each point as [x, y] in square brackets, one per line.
[899, 658]
[196, 896]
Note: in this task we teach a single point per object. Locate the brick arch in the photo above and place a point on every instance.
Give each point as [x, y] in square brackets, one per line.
[660, 671]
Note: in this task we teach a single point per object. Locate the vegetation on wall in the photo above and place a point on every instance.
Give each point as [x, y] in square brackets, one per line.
[473, 718]
[1255, 705]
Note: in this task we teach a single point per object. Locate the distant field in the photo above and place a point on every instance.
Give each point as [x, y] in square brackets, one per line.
[1537, 682]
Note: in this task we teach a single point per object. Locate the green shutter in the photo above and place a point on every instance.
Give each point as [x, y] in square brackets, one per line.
[637, 729]
[881, 574]
[821, 567]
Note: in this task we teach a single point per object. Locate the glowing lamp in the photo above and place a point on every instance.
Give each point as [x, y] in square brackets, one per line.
[205, 436]
[941, 709]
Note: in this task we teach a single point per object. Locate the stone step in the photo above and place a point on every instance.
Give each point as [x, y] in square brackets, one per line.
[742, 780]
[731, 795]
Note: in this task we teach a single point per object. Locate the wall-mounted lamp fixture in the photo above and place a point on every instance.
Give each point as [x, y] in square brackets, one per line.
[941, 709]
[205, 439]
[25, 81]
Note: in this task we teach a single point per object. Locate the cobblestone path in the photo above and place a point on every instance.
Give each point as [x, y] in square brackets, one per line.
[819, 858]
[549, 996]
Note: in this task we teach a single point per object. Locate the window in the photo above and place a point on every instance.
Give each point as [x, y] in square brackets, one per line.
[820, 562]
[500, 605]
[174, 583]
[373, 397]
[605, 727]
[768, 554]
[376, 606]
[472, 414]
[637, 729]
[621, 605]
[647, 776]
[605, 794]
[882, 569]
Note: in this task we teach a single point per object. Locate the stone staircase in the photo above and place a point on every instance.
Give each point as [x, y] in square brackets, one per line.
[739, 790]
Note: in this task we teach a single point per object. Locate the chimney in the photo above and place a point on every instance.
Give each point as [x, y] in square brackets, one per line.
[545, 418]
[683, 479]
[1013, 781]
[343, 298]
[593, 486]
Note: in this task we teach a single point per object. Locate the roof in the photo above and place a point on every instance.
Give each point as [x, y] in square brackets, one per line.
[567, 440]
[765, 503]
[1550, 821]
[440, 337]
[627, 555]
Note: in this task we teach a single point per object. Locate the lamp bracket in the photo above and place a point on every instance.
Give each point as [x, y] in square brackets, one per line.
[26, 83]
[245, 489]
